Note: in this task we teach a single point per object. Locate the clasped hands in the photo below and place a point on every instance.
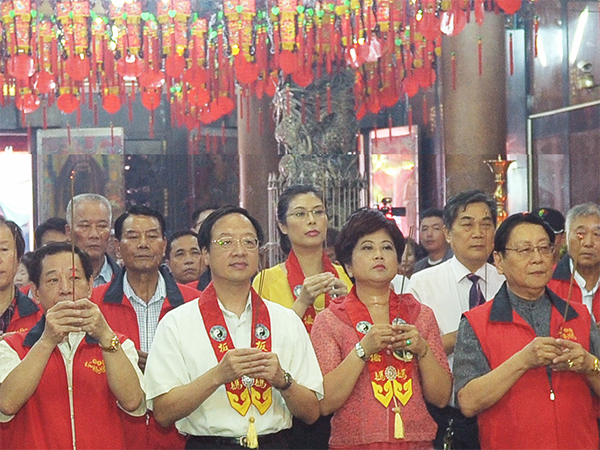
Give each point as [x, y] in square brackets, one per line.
[558, 354]
[393, 337]
[252, 362]
[69, 316]
[321, 283]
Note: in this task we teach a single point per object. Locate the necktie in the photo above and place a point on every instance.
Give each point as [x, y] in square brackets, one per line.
[475, 295]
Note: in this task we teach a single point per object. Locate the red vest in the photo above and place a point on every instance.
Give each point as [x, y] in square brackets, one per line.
[27, 313]
[526, 417]
[44, 420]
[141, 432]
[559, 284]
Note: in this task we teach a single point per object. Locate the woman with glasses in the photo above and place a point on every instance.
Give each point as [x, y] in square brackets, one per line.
[380, 353]
[307, 280]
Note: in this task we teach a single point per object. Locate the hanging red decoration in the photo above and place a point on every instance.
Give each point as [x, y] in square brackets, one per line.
[195, 62]
[67, 103]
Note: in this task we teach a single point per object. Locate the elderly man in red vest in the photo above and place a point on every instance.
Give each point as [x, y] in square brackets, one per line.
[64, 382]
[583, 247]
[526, 363]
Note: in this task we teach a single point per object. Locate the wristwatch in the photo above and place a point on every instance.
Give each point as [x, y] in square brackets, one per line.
[288, 381]
[596, 368]
[114, 346]
[360, 352]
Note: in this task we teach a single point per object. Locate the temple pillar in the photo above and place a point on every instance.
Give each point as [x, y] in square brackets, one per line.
[474, 109]
[257, 155]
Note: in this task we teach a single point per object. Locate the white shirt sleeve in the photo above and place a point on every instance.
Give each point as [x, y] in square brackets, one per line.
[132, 354]
[9, 359]
[301, 361]
[165, 367]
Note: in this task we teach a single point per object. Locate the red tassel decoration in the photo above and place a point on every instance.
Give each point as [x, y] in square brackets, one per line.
[248, 109]
[390, 126]
[480, 55]
[511, 55]
[453, 59]
[223, 131]
[44, 117]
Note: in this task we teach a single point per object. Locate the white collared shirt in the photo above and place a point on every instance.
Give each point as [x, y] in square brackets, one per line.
[105, 274]
[587, 297]
[147, 314]
[182, 351]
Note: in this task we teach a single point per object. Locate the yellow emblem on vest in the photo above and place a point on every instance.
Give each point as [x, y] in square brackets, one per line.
[97, 366]
[568, 333]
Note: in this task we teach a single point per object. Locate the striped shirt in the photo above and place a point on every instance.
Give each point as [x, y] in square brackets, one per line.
[147, 313]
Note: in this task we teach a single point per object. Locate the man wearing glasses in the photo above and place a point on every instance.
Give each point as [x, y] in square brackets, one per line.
[526, 362]
[583, 255]
[230, 369]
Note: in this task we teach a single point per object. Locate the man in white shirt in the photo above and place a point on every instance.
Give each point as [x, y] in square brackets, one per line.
[231, 368]
[89, 219]
[455, 286]
[71, 369]
[583, 250]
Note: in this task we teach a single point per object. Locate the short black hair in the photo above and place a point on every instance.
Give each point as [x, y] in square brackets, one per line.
[199, 211]
[283, 206]
[204, 234]
[26, 259]
[360, 223]
[459, 203]
[34, 268]
[139, 210]
[505, 229]
[432, 212]
[17, 234]
[176, 236]
[52, 224]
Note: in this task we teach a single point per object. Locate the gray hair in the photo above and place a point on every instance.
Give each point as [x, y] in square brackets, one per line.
[89, 198]
[584, 210]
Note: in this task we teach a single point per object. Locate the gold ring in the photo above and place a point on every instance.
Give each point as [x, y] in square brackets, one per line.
[570, 363]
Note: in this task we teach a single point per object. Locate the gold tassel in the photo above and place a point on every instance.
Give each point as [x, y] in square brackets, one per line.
[398, 425]
[251, 436]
